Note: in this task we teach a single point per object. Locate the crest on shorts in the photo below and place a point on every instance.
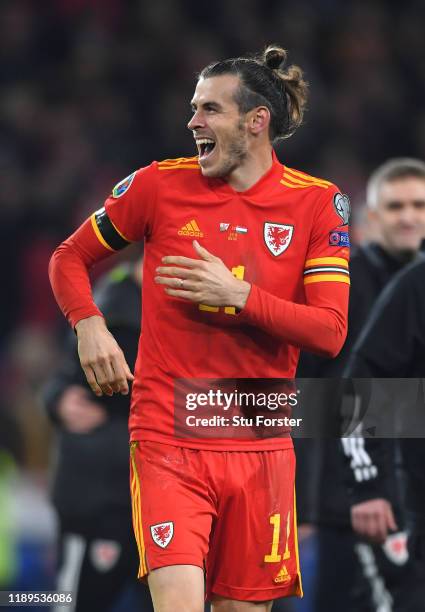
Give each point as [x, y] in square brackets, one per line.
[277, 237]
[104, 554]
[162, 533]
[342, 207]
[123, 186]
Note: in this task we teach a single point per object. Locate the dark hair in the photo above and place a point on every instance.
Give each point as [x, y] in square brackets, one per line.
[264, 82]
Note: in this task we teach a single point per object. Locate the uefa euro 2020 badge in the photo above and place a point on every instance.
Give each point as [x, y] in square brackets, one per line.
[123, 186]
[342, 207]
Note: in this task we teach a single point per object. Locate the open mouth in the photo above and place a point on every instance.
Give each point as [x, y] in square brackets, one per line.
[205, 147]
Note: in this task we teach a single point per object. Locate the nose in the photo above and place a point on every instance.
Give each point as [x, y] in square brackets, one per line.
[196, 121]
[408, 215]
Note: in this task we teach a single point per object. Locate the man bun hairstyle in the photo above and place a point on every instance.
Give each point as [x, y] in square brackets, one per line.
[265, 82]
[274, 57]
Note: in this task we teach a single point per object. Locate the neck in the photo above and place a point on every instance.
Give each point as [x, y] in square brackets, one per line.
[251, 170]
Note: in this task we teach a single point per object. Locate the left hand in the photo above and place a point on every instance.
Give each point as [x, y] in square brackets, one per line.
[205, 281]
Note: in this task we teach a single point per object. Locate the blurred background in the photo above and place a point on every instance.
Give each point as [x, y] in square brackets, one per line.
[93, 89]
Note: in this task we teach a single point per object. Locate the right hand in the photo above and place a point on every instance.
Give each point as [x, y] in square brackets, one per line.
[78, 412]
[101, 358]
[373, 519]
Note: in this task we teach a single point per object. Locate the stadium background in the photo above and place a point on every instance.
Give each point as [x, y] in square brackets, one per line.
[91, 90]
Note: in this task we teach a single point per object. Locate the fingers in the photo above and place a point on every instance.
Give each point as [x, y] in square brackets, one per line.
[109, 375]
[87, 423]
[91, 379]
[179, 260]
[202, 252]
[122, 374]
[376, 528]
[391, 522]
[175, 283]
[363, 524]
[173, 271]
[83, 418]
[176, 278]
[373, 519]
[181, 293]
[105, 376]
[102, 359]
[129, 376]
[187, 261]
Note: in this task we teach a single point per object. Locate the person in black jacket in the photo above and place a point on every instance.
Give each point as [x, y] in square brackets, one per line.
[98, 556]
[396, 209]
[393, 345]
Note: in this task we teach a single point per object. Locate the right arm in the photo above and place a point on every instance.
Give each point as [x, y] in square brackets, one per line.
[101, 358]
[68, 401]
[124, 218]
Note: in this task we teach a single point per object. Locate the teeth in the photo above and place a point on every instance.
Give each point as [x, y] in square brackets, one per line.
[205, 141]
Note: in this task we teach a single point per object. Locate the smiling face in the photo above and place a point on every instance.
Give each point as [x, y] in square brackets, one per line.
[219, 129]
[400, 214]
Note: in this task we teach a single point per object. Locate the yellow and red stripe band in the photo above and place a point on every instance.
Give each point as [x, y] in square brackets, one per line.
[298, 180]
[178, 163]
[137, 512]
[319, 269]
[319, 278]
[297, 558]
[327, 261]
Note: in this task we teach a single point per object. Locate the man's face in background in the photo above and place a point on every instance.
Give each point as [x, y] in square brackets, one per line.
[399, 215]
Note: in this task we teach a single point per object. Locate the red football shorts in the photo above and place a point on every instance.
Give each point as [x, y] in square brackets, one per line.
[232, 513]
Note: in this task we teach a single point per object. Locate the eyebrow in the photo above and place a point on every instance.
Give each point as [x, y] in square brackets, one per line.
[208, 105]
[402, 202]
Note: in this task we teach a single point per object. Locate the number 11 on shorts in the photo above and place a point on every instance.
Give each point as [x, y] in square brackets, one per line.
[274, 555]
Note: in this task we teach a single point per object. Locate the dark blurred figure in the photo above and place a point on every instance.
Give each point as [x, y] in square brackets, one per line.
[98, 558]
[10, 456]
[396, 209]
[393, 345]
[11, 442]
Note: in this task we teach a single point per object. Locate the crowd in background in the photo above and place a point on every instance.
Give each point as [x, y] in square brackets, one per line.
[93, 89]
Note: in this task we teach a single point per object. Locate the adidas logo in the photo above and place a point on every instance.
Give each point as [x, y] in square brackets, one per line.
[191, 229]
[283, 575]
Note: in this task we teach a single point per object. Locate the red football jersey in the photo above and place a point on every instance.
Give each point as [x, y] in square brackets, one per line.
[286, 235]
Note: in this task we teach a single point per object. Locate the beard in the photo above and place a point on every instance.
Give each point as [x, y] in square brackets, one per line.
[236, 153]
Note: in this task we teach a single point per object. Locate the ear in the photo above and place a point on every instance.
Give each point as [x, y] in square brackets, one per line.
[259, 119]
[372, 215]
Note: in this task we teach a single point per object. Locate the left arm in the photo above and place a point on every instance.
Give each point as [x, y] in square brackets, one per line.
[320, 325]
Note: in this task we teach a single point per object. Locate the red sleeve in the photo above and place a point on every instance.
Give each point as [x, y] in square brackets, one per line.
[126, 217]
[319, 325]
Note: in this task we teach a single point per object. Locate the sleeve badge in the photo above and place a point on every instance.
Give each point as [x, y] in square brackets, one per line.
[342, 207]
[123, 186]
[339, 239]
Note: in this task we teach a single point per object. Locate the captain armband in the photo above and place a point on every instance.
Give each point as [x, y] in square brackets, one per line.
[106, 232]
